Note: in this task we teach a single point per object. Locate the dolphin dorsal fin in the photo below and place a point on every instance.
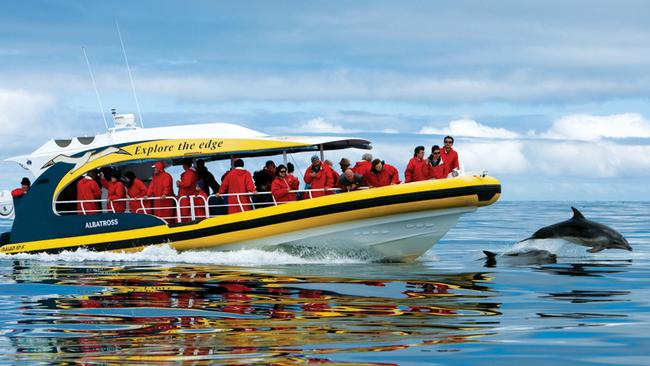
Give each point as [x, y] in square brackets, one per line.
[577, 214]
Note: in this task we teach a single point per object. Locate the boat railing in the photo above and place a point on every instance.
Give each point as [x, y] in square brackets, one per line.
[186, 208]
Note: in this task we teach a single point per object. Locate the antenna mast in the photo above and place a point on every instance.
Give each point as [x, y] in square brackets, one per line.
[92, 77]
[126, 60]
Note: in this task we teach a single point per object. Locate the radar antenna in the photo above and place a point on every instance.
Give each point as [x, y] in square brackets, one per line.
[92, 77]
[128, 68]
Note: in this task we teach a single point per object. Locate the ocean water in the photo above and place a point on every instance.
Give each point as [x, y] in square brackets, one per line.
[451, 307]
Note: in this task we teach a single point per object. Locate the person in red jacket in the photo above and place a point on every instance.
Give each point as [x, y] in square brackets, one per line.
[449, 155]
[362, 167]
[199, 203]
[436, 164]
[294, 183]
[318, 176]
[280, 188]
[88, 190]
[381, 175]
[25, 184]
[186, 188]
[417, 168]
[116, 192]
[335, 175]
[160, 188]
[136, 189]
[238, 180]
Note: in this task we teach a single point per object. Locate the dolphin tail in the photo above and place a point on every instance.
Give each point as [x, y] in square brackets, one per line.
[528, 238]
[489, 255]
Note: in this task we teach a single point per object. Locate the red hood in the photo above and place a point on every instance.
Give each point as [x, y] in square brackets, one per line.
[160, 166]
[238, 172]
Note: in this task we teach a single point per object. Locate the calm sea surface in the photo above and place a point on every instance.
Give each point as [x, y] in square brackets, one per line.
[255, 307]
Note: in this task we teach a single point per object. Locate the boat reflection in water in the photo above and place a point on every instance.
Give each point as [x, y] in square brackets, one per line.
[200, 315]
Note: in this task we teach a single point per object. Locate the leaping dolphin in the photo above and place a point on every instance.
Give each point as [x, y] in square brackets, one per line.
[582, 231]
[85, 158]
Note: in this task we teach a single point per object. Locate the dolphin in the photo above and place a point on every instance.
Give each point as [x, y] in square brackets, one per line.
[85, 158]
[581, 231]
[525, 257]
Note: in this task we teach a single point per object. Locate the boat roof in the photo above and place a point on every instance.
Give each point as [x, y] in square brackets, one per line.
[212, 141]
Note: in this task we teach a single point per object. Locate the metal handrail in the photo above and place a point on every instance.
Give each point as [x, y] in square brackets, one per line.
[178, 207]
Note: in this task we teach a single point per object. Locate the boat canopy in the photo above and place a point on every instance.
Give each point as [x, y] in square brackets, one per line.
[213, 141]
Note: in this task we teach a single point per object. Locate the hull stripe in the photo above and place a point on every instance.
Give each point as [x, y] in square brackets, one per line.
[484, 193]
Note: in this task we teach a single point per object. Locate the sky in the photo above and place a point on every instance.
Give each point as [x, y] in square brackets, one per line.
[552, 98]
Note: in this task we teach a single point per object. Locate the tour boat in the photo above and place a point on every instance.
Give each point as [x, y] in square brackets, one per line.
[392, 223]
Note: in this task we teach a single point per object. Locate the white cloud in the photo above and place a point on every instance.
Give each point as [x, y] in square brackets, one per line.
[597, 159]
[506, 157]
[590, 127]
[469, 128]
[22, 115]
[343, 85]
[320, 125]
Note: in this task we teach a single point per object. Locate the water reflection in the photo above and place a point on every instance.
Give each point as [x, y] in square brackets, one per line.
[587, 268]
[226, 315]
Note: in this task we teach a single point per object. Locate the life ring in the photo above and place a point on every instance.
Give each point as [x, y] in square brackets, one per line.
[6, 204]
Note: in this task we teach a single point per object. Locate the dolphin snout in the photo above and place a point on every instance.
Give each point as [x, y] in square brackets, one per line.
[625, 245]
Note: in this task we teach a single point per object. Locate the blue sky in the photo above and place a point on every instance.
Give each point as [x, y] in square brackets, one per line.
[552, 97]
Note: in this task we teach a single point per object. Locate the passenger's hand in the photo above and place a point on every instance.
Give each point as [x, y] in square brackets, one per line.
[163, 196]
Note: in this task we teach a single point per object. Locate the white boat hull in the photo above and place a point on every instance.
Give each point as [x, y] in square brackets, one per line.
[401, 237]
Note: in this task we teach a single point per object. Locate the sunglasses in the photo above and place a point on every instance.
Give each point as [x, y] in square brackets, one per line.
[449, 142]
[436, 153]
[283, 171]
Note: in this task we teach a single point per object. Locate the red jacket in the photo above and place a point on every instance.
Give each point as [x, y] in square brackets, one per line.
[294, 183]
[115, 191]
[335, 178]
[416, 170]
[88, 189]
[18, 192]
[238, 180]
[362, 167]
[450, 158]
[387, 176]
[185, 189]
[162, 185]
[138, 190]
[199, 204]
[280, 189]
[188, 183]
[322, 179]
[438, 171]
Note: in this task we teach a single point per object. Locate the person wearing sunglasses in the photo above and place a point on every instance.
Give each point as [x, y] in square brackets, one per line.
[281, 187]
[449, 155]
[381, 174]
[436, 164]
